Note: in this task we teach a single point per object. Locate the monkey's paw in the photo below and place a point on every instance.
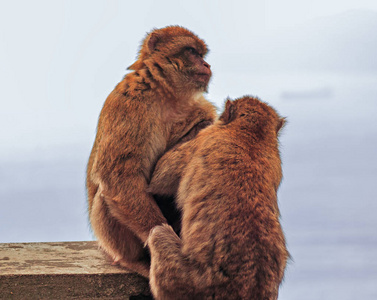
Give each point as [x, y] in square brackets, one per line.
[162, 234]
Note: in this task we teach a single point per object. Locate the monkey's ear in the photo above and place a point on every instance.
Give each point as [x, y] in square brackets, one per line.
[280, 124]
[137, 65]
[229, 112]
[148, 47]
[153, 40]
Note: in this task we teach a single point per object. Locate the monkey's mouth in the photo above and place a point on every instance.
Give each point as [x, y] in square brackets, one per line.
[203, 77]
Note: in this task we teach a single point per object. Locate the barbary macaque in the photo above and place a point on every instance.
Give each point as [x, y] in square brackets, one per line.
[225, 180]
[158, 104]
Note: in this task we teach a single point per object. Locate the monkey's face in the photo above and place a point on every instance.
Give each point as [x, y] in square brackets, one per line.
[178, 57]
[191, 69]
[181, 57]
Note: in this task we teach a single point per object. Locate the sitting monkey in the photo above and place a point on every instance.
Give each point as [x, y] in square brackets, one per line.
[158, 104]
[225, 181]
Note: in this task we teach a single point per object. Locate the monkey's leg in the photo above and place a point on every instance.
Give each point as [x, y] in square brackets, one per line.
[117, 240]
[138, 211]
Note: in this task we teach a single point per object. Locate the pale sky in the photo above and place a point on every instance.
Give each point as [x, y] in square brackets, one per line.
[294, 12]
[60, 59]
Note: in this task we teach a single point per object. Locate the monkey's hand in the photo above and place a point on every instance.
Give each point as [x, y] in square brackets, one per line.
[164, 181]
[166, 260]
[163, 239]
[195, 130]
[202, 114]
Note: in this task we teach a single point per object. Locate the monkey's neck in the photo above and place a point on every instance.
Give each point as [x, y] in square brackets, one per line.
[151, 77]
[166, 86]
[154, 75]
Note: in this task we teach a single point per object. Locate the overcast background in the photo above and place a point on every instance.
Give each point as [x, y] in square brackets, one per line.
[314, 61]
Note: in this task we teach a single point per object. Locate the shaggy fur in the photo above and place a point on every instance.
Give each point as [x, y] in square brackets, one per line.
[226, 179]
[156, 106]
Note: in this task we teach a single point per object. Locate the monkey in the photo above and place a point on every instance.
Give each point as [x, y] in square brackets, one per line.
[157, 105]
[225, 180]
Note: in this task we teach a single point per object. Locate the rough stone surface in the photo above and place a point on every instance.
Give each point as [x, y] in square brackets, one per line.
[64, 270]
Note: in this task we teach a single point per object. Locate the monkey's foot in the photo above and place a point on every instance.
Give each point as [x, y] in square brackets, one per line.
[140, 267]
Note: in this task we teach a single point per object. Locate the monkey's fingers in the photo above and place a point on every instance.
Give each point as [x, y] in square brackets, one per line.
[149, 239]
[163, 237]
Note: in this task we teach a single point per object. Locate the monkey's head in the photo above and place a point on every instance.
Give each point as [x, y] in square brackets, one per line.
[252, 114]
[175, 56]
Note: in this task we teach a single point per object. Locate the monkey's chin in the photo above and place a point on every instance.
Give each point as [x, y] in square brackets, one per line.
[202, 77]
[202, 81]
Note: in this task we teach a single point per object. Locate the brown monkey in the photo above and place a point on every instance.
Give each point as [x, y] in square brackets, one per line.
[226, 179]
[156, 106]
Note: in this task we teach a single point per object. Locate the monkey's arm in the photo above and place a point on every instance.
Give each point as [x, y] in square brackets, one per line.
[202, 115]
[137, 210]
[169, 169]
[122, 167]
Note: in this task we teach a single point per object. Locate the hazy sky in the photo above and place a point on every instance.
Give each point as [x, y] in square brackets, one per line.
[294, 12]
[60, 59]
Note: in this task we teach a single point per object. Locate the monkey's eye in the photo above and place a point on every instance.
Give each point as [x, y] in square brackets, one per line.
[192, 51]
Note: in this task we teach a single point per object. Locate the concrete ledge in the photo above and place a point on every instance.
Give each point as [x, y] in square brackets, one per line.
[64, 270]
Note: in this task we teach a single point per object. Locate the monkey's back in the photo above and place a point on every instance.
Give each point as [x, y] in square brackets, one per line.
[230, 217]
[123, 133]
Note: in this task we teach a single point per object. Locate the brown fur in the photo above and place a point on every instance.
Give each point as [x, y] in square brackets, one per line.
[153, 108]
[226, 179]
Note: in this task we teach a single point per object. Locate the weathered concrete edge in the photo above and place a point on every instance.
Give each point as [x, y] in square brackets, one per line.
[70, 286]
[63, 281]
